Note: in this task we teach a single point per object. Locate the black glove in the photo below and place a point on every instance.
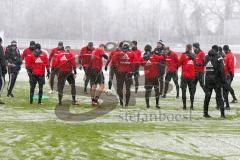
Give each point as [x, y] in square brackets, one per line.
[75, 71]
[80, 67]
[29, 71]
[106, 68]
[48, 73]
[231, 76]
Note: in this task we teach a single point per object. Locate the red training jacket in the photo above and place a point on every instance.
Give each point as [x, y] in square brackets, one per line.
[188, 70]
[66, 61]
[199, 62]
[229, 63]
[125, 62]
[96, 59]
[27, 53]
[38, 64]
[85, 56]
[151, 66]
[171, 61]
[53, 55]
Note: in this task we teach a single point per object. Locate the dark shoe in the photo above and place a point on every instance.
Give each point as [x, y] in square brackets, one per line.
[157, 106]
[191, 108]
[74, 103]
[206, 116]
[223, 116]
[164, 96]
[136, 89]
[177, 97]
[227, 108]
[217, 108]
[1, 102]
[121, 103]
[148, 106]
[40, 103]
[234, 101]
[94, 103]
[60, 103]
[184, 108]
[10, 95]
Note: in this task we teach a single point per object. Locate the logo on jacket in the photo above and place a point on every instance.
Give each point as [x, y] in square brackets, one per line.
[190, 62]
[63, 58]
[38, 60]
[125, 57]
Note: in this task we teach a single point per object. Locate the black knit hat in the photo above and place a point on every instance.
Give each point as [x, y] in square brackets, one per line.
[38, 46]
[226, 48]
[196, 45]
[215, 48]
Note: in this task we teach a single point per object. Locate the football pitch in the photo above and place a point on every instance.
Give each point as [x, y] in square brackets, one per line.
[38, 132]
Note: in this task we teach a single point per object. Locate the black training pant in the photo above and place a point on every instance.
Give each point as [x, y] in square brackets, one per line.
[2, 84]
[124, 78]
[12, 79]
[149, 84]
[87, 71]
[40, 79]
[62, 78]
[226, 89]
[209, 87]
[169, 76]
[54, 72]
[187, 82]
[199, 78]
[112, 72]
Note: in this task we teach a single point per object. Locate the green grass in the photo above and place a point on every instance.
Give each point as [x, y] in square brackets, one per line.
[56, 139]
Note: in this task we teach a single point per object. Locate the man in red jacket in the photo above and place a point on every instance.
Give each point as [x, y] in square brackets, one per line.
[52, 62]
[66, 66]
[137, 58]
[124, 73]
[150, 62]
[113, 64]
[171, 59]
[38, 62]
[229, 71]
[96, 76]
[199, 65]
[27, 53]
[188, 74]
[85, 61]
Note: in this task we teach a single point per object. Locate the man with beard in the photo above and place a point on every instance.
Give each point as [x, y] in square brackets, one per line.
[3, 70]
[27, 53]
[38, 62]
[124, 73]
[159, 50]
[188, 74]
[150, 62]
[214, 77]
[199, 65]
[96, 76]
[137, 58]
[52, 63]
[66, 72]
[112, 64]
[172, 61]
[14, 61]
[85, 61]
[229, 71]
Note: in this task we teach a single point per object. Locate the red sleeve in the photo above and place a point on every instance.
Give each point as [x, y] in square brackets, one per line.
[30, 61]
[51, 56]
[176, 58]
[181, 60]
[24, 54]
[80, 54]
[231, 64]
[46, 60]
